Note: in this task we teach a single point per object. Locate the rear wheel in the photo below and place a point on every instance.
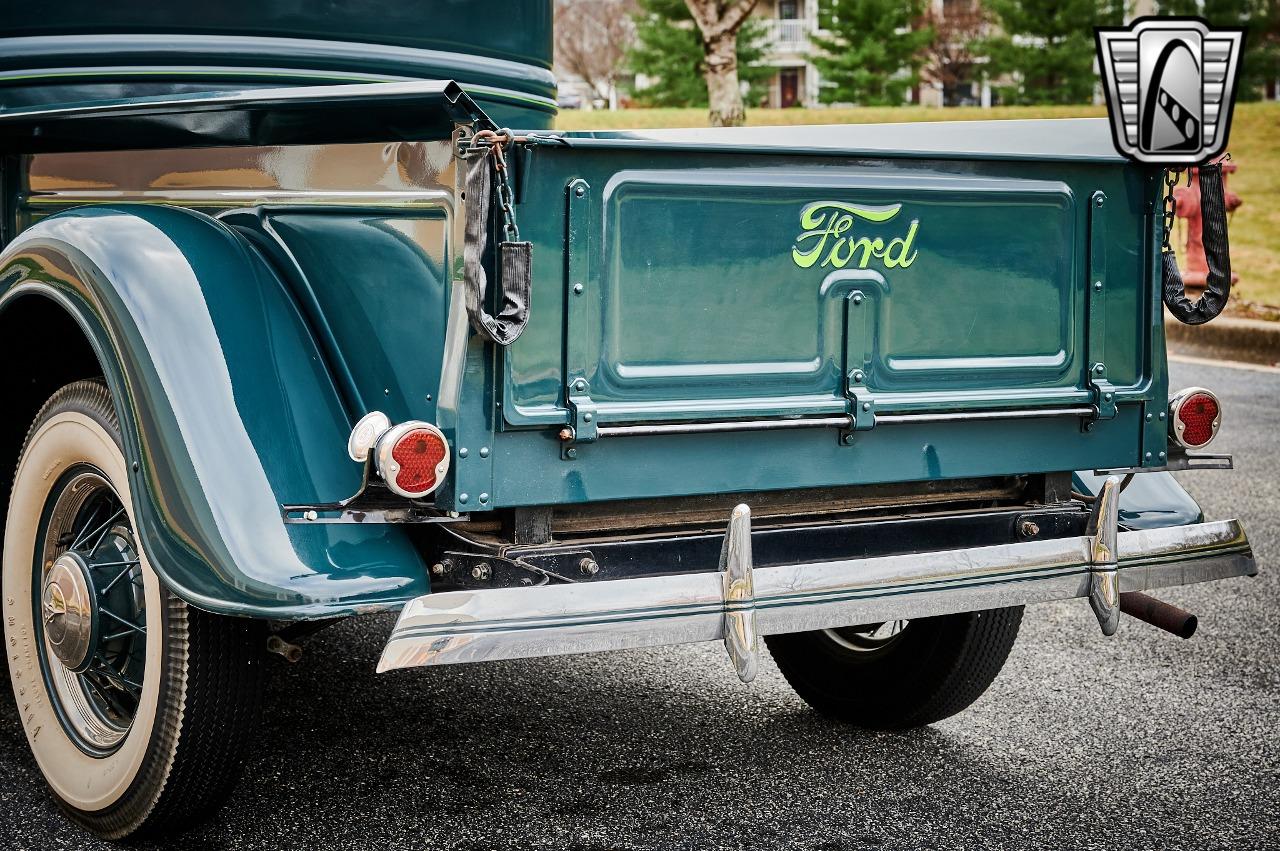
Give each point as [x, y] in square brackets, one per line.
[137, 708]
[898, 674]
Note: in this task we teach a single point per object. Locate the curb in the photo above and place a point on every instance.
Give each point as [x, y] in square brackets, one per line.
[1226, 338]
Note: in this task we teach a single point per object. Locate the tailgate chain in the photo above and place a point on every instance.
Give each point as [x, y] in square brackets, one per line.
[514, 257]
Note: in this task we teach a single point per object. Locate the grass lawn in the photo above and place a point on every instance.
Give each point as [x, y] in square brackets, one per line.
[1254, 146]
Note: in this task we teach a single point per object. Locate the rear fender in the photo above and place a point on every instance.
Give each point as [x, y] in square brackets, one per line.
[226, 407]
[1150, 501]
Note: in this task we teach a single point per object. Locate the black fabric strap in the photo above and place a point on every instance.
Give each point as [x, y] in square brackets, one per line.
[515, 261]
[1217, 252]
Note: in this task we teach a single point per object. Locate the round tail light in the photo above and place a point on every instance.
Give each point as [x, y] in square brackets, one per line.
[412, 458]
[1194, 417]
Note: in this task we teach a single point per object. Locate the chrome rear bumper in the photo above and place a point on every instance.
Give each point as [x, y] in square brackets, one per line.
[740, 603]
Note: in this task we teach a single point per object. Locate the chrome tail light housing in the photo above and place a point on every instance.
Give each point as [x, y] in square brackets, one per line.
[1195, 415]
[412, 458]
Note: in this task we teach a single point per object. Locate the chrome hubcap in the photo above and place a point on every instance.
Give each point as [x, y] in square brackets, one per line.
[70, 618]
[92, 611]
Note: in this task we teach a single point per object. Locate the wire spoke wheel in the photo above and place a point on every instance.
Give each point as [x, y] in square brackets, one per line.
[91, 607]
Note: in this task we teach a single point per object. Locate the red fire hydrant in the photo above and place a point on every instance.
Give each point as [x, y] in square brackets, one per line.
[1196, 269]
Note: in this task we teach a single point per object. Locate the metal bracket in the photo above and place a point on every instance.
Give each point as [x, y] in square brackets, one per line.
[860, 404]
[578, 300]
[372, 503]
[1178, 461]
[741, 638]
[582, 412]
[495, 570]
[1103, 392]
[1104, 574]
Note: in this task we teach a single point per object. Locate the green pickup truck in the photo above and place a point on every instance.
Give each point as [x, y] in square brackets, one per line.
[294, 329]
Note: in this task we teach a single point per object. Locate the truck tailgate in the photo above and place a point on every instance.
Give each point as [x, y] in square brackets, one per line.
[721, 286]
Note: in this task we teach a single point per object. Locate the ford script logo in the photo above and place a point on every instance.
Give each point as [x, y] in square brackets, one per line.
[831, 236]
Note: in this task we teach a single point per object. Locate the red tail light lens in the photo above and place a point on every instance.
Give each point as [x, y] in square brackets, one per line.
[1194, 417]
[418, 453]
[413, 458]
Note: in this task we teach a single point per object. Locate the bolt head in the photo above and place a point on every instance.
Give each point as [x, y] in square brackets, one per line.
[866, 406]
[586, 418]
[579, 385]
[437, 569]
[1100, 369]
[311, 515]
[579, 191]
[462, 498]
[577, 289]
[847, 440]
[484, 497]
[463, 452]
[858, 376]
[484, 452]
[1029, 528]
[571, 453]
[589, 567]
[481, 571]
[1097, 285]
[857, 298]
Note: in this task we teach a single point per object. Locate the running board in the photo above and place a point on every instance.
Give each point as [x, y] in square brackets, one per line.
[738, 604]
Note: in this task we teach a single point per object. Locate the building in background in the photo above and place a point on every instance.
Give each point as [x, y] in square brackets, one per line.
[788, 25]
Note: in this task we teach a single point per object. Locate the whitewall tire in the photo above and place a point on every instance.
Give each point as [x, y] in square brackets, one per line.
[137, 708]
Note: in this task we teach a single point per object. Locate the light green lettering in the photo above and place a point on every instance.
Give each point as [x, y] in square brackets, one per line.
[903, 244]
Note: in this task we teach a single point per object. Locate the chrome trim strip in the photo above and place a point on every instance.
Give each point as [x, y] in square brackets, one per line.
[473, 626]
[841, 421]
[973, 416]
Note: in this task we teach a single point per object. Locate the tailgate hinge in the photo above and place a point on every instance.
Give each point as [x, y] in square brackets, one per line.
[860, 405]
[1102, 390]
[580, 303]
[582, 419]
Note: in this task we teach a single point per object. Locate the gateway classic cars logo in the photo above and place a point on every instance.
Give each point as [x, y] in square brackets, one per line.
[1170, 86]
[828, 237]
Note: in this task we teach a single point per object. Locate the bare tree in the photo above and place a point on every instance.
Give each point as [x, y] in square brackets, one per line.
[719, 22]
[950, 57]
[592, 38]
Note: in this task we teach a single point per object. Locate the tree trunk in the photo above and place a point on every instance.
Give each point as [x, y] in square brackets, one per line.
[718, 22]
[723, 92]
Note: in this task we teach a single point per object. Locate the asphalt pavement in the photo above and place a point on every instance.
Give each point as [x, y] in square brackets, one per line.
[1138, 741]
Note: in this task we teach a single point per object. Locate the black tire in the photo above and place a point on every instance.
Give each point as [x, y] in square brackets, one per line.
[934, 668]
[177, 756]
